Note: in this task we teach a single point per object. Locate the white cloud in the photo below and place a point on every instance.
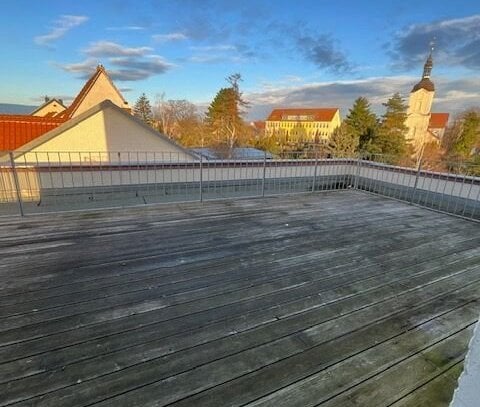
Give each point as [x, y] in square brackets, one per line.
[124, 68]
[126, 28]
[60, 27]
[84, 68]
[176, 36]
[63, 98]
[457, 43]
[220, 53]
[123, 63]
[112, 49]
[218, 47]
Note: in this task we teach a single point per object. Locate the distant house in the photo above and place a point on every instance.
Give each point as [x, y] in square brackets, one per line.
[258, 125]
[51, 107]
[103, 134]
[302, 125]
[437, 124]
[97, 125]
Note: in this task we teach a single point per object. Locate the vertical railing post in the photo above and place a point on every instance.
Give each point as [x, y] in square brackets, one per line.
[264, 169]
[417, 176]
[17, 184]
[357, 172]
[201, 179]
[314, 181]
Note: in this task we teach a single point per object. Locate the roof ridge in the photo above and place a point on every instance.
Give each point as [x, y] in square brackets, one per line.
[47, 102]
[106, 104]
[68, 113]
[306, 108]
[320, 113]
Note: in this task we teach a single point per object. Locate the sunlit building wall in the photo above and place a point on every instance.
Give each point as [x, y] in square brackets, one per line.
[295, 126]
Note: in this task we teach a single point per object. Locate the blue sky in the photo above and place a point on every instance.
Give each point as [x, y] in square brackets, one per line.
[310, 53]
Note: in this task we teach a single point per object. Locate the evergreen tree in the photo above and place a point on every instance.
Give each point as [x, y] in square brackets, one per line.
[362, 122]
[224, 115]
[143, 110]
[343, 142]
[390, 140]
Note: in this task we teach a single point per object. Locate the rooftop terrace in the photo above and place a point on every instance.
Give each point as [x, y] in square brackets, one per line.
[339, 298]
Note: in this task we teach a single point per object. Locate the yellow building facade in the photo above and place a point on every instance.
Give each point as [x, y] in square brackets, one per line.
[419, 113]
[295, 126]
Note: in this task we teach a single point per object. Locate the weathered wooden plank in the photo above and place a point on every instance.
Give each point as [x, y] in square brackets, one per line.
[157, 314]
[436, 393]
[172, 258]
[165, 293]
[250, 386]
[227, 302]
[297, 244]
[84, 228]
[146, 243]
[39, 285]
[406, 376]
[152, 350]
[272, 364]
[327, 384]
[309, 310]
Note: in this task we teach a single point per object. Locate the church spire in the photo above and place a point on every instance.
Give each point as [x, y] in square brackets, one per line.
[425, 82]
[427, 68]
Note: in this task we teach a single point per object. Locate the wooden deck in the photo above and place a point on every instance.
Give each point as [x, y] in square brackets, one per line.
[332, 299]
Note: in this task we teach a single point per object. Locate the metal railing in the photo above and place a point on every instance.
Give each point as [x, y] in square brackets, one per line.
[63, 181]
[453, 193]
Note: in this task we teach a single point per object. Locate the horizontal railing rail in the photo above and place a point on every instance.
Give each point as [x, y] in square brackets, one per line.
[37, 182]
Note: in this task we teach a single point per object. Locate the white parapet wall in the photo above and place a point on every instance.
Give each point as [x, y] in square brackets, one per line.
[467, 393]
[434, 182]
[81, 176]
[54, 174]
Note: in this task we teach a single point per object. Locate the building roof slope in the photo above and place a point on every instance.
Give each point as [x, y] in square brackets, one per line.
[438, 120]
[49, 102]
[100, 71]
[17, 130]
[426, 84]
[319, 114]
[106, 104]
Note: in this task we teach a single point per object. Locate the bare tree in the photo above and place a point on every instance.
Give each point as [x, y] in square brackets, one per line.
[179, 120]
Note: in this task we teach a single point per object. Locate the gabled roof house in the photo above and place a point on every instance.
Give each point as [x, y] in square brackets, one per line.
[98, 121]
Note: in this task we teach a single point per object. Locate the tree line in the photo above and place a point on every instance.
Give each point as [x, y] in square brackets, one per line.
[361, 132]
[222, 127]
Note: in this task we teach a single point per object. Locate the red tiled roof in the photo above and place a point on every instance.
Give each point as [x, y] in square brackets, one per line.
[319, 115]
[438, 120]
[259, 124]
[17, 130]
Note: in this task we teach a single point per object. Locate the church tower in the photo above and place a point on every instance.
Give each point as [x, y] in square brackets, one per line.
[420, 107]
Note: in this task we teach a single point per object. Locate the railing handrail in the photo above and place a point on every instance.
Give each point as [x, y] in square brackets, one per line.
[133, 169]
